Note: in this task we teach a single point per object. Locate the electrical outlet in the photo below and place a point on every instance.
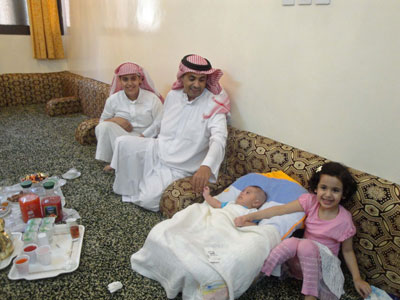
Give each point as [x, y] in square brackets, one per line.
[304, 2]
[287, 2]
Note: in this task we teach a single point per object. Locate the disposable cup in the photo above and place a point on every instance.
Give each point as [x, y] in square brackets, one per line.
[30, 250]
[43, 254]
[43, 239]
[21, 262]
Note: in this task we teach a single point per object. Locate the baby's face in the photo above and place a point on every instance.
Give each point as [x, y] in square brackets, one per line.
[248, 197]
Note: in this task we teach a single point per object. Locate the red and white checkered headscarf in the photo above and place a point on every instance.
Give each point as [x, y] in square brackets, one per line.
[222, 105]
[132, 68]
[193, 63]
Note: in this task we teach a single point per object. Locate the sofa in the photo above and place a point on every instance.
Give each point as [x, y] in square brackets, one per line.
[375, 209]
[63, 92]
[376, 205]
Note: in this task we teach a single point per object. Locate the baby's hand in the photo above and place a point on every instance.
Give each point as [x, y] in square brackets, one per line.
[206, 191]
[240, 221]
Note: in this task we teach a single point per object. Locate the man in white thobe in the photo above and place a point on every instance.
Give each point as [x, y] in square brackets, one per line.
[191, 140]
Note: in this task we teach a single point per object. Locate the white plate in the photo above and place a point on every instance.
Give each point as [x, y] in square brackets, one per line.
[65, 257]
[71, 174]
[18, 245]
[4, 211]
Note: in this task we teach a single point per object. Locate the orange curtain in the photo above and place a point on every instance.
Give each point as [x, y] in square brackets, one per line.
[45, 29]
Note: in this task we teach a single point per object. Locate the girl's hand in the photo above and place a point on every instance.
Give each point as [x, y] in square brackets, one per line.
[240, 221]
[362, 287]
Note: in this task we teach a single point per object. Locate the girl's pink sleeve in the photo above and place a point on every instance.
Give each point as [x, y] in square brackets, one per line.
[349, 229]
[306, 201]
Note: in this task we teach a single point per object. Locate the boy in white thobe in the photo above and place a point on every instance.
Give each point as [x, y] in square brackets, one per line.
[133, 105]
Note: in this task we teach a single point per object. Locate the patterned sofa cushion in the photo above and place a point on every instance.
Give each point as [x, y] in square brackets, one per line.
[69, 83]
[30, 88]
[93, 95]
[2, 92]
[85, 134]
[63, 106]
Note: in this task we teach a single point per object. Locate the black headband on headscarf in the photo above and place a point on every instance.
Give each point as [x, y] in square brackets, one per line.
[195, 67]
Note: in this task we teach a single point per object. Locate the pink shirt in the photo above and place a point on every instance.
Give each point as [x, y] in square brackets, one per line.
[330, 233]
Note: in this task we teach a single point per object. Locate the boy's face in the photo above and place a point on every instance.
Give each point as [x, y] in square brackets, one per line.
[131, 83]
[249, 197]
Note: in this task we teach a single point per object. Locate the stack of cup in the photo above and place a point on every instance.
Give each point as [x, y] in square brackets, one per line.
[43, 254]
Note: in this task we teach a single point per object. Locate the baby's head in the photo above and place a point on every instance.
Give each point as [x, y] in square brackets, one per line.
[337, 170]
[252, 197]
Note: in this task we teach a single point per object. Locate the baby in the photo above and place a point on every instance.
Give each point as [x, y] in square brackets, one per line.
[252, 198]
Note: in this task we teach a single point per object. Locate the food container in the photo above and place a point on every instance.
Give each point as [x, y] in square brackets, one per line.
[51, 202]
[30, 206]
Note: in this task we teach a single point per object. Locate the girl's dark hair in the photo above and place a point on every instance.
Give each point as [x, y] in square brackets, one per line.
[340, 172]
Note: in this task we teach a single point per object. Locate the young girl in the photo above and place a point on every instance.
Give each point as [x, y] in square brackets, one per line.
[327, 223]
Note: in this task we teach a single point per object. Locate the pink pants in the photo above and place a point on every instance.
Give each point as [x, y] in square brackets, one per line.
[308, 264]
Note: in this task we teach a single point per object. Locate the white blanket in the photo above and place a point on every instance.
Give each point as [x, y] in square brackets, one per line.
[175, 253]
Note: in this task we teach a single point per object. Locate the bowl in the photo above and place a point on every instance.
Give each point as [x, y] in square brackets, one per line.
[71, 174]
[35, 177]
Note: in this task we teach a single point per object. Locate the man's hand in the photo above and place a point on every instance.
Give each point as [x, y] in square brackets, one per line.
[200, 178]
[123, 123]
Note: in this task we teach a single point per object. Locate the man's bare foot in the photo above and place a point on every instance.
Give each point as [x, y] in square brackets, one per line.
[108, 169]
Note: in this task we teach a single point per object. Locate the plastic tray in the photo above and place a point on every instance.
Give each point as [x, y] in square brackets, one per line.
[65, 256]
[18, 245]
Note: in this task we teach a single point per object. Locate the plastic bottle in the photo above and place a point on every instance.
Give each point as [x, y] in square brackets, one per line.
[29, 205]
[51, 202]
[26, 186]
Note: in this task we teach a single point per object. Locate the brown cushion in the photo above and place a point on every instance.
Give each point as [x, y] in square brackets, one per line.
[85, 134]
[30, 88]
[93, 95]
[63, 106]
[179, 194]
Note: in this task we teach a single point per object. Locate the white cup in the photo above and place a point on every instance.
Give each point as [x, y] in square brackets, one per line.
[21, 262]
[43, 239]
[30, 250]
[43, 254]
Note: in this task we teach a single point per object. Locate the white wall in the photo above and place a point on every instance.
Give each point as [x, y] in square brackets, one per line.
[16, 56]
[320, 78]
